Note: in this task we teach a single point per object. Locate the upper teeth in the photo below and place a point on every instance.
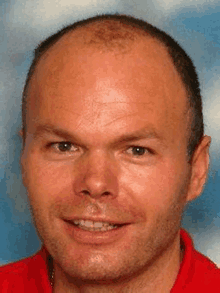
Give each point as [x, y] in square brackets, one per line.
[94, 225]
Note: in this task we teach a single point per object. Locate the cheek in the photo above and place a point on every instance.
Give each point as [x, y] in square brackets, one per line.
[159, 187]
[46, 181]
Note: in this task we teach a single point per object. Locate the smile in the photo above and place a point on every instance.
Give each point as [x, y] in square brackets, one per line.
[94, 226]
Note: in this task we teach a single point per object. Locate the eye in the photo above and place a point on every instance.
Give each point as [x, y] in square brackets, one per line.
[137, 151]
[64, 146]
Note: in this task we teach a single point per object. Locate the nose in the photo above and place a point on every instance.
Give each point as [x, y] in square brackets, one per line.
[96, 176]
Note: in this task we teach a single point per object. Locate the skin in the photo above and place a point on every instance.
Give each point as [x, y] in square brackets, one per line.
[97, 97]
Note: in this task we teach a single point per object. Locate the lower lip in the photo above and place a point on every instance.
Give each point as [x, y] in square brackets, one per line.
[92, 237]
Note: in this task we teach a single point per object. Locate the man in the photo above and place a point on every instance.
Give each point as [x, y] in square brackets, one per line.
[113, 149]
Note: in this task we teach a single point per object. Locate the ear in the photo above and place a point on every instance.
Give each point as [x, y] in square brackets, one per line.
[199, 168]
[22, 161]
[21, 133]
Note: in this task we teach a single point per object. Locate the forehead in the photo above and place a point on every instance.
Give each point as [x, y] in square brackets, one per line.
[77, 75]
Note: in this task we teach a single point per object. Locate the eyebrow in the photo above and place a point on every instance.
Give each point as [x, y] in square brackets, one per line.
[42, 129]
[144, 133]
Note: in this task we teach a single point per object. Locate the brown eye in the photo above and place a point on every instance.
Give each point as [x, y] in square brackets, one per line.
[137, 151]
[64, 146]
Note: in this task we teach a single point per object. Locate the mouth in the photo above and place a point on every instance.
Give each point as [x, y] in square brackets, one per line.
[88, 231]
[95, 226]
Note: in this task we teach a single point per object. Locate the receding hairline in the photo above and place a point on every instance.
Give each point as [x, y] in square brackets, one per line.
[88, 39]
[105, 35]
[91, 38]
[118, 32]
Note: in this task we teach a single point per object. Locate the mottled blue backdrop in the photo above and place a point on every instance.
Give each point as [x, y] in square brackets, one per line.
[194, 24]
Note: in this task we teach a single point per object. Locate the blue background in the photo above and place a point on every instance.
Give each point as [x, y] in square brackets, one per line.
[194, 24]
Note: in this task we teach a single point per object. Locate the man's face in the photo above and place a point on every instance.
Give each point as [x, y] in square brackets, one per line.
[124, 120]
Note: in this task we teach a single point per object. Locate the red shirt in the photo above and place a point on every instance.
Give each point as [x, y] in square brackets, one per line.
[197, 273]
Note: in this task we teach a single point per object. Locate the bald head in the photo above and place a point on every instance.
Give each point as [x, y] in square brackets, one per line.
[110, 35]
[118, 34]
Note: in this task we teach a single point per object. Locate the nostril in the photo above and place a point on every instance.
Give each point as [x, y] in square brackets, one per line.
[106, 193]
[86, 192]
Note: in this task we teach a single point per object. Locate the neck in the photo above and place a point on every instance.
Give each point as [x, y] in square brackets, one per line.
[159, 277]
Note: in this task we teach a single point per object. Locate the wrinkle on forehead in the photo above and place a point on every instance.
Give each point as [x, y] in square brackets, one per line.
[106, 88]
[101, 37]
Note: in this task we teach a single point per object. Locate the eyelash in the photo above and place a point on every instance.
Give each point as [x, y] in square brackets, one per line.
[144, 150]
[54, 144]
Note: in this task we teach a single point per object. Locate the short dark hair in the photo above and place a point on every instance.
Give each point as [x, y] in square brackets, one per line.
[180, 59]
